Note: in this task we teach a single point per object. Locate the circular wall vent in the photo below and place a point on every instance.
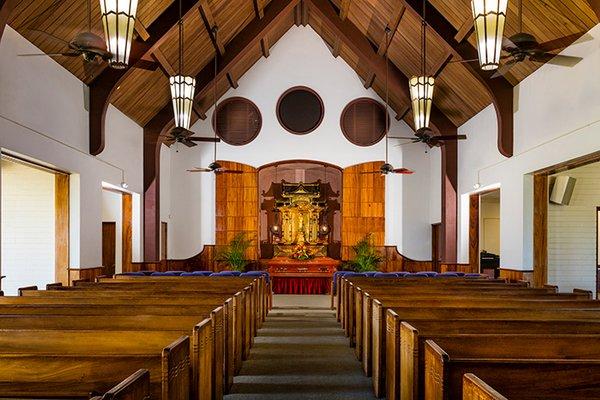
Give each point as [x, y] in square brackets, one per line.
[238, 121]
[300, 110]
[363, 121]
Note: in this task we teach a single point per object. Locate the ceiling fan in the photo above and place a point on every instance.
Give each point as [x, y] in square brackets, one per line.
[88, 45]
[387, 168]
[426, 136]
[184, 136]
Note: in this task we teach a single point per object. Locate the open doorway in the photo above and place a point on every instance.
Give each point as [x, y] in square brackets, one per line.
[484, 232]
[116, 231]
[35, 224]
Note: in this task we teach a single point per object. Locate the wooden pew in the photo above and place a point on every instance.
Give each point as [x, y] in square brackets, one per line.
[71, 364]
[210, 331]
[404, 354]
[476, 389]
[524, 312]
[134, 387]
[519, 366]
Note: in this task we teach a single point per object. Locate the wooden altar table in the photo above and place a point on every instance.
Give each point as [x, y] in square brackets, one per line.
[301, 277]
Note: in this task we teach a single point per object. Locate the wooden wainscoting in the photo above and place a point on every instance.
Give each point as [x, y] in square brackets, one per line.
[363, 206]
[395, 261]
[237, 206]
[85, 274]
[515, 275]
[203, 261]
[459, 267]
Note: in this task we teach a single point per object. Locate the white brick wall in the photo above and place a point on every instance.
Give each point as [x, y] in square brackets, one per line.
[572, 233]
[28, 216]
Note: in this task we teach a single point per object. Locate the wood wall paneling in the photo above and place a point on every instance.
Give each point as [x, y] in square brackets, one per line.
[474, 231]
[127, 232]
[363, 207]
[61, 228]
[540, 230]
[84, 274]
[237, 206]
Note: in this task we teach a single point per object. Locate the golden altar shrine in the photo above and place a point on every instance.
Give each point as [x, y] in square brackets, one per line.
[300, 264]
[301, 276]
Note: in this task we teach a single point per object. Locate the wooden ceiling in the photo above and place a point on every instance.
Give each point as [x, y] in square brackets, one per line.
[143, 93]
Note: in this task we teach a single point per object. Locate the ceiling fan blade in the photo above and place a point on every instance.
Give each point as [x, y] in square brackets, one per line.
[508, 45]
[403, 137]
[404, 171]
[560, 60]
[450, 137]
[204, 139]
[169, 143]
[228, 171]
[371, 172]
[188, 143]
[50, 55]
[51, 36]
[412, 142]
[464, 61]
[200, 170]
[504, 68]
[565, 41]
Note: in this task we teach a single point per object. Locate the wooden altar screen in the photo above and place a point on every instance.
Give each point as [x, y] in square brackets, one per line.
[237, 206]
[363, 206]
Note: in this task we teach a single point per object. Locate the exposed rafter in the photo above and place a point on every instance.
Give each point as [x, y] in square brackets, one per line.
[109, 79]
[163, 63]
[393, 25]
[499, 89]
[303, 12]
[439, 68]
[210, 24]
[344, 8]
[265, 46]
[465, 30]
[232, 80]
[141, 31]
[259, 8]
[369, 80]
[337, 44]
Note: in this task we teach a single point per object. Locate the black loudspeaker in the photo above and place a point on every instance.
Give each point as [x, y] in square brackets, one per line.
[562, 190]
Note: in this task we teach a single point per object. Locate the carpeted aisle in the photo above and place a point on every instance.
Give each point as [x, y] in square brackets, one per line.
[301, 353]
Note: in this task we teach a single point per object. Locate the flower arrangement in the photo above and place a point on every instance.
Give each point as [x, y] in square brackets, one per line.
[367, 257]
[302, 252]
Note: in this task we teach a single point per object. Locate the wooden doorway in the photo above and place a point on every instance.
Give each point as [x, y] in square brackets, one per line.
[163, 241]
[109, 243]
[484, 232]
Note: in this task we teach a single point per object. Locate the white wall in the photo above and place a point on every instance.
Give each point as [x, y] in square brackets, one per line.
[112, 211]
[489, 228]
[300, 57]
[557, 118]
[572, 233]
[28, 227]
[165, 194]
[42, 116]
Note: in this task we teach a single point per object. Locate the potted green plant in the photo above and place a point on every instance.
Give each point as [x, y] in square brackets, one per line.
[234, 255]
[366, 256]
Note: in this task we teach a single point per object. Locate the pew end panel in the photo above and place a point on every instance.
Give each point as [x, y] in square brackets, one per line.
[436, 360]
[134, 387]
[476, 389]
[202, 367]
[176, 370]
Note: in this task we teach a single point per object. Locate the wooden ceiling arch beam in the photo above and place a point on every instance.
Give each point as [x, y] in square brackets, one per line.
[103, 86]
[499, 89]
[245, 41]
[595, 6]
[6, 8]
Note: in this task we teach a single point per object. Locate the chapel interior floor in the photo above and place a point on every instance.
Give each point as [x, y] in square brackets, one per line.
[301, 352]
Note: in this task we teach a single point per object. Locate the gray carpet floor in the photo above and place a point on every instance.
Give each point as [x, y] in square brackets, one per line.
[301, 353]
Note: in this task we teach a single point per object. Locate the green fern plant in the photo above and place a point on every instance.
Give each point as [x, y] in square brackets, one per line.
[367, 258]
[234, 255]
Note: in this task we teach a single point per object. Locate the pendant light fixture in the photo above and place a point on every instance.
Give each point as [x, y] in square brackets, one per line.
[118, 20]
[489, 17]
[421, 87]
[182, 87]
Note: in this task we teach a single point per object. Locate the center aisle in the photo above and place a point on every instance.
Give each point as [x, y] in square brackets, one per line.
[301, 352]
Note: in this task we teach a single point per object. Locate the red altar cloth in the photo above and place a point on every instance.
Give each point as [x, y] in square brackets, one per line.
[301, 277]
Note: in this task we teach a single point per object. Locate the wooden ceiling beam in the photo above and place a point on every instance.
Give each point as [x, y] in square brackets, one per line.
[369, 80]
[344, 8]
[304, 12]
[439, 68]
[141, 30]
[265, 46]
[6, 7]
[163, 63]
[500, 89]
[198, 111]
[210, 24]
[102, 87]
[595, 6]
[465, 30]
[393, 25]
[297, 15]
[259, 8]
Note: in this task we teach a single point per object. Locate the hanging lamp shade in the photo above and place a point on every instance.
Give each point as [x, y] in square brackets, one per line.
[421, 95]
[182, 95]
[118, 19]
[489, 17]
